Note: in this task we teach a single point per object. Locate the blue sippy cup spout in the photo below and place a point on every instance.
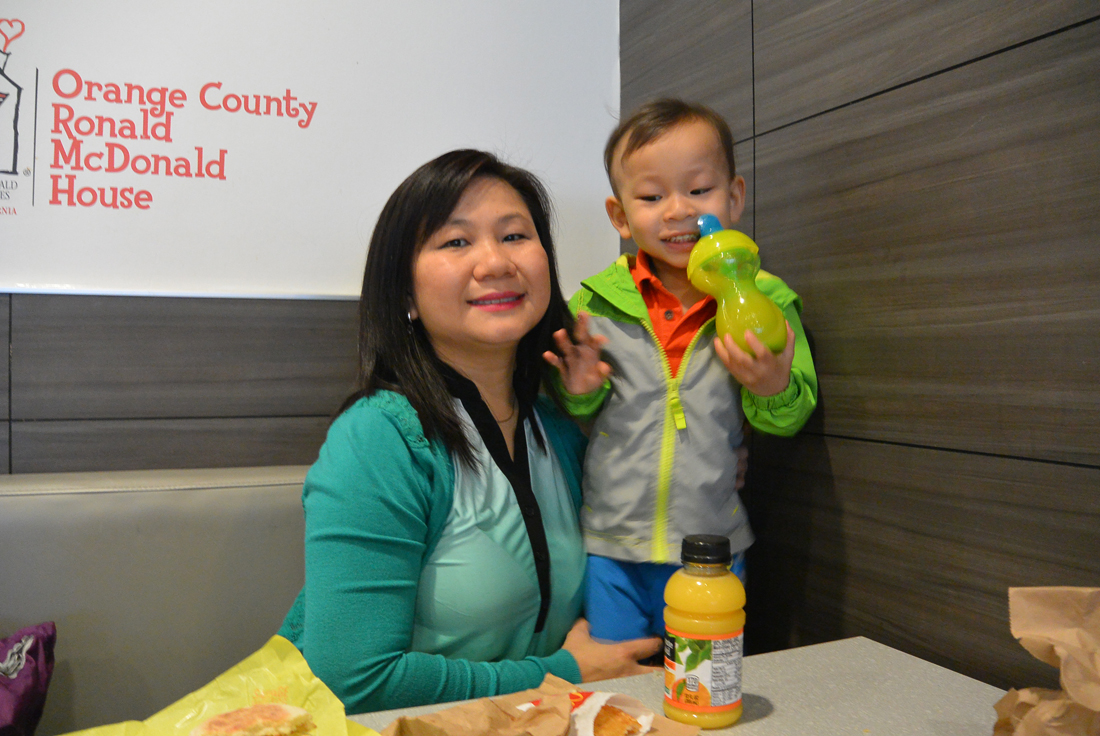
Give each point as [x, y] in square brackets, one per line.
[708, 224]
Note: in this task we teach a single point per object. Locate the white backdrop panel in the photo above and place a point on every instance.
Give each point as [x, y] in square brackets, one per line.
[390, 84]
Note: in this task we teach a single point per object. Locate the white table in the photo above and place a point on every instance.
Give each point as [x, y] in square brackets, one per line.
[851, 687]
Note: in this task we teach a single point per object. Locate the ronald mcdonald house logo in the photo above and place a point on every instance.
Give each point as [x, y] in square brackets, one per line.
[11, 94]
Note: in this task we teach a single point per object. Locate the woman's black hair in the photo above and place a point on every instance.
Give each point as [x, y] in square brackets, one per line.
[395, 353]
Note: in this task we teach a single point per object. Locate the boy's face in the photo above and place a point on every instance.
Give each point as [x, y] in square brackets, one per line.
[665, 185]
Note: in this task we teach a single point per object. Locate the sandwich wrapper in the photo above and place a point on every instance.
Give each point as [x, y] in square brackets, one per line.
[276, 673]
[555, 708]
[1060, 626]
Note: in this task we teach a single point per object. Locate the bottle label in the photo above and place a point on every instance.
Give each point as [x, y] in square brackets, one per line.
[703, 673]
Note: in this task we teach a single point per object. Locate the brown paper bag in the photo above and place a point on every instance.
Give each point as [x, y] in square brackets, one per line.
[1060, 626]
[501, 716]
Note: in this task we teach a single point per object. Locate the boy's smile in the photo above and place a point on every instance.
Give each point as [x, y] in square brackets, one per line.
[678, 242]
[663, 188]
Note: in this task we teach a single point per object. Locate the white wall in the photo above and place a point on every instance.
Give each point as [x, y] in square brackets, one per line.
[393, 84]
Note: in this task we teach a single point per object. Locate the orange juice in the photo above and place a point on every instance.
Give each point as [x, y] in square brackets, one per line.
[704, 631]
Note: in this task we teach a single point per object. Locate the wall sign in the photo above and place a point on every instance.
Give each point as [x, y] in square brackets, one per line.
[209, 149]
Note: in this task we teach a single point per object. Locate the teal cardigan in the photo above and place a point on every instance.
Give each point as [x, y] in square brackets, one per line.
[376, 502]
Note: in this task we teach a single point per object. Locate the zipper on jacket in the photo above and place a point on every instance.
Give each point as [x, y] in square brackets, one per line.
[675, 420]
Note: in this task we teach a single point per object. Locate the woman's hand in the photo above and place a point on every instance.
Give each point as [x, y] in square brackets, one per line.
[580, 366]
[762, 372]
[604, 661]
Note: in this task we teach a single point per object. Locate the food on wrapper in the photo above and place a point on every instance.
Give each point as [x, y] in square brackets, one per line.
[604, 714]
[610, 721]
[555, 708]
[263, 719]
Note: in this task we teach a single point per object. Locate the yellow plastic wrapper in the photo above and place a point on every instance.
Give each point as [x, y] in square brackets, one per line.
[276, 673]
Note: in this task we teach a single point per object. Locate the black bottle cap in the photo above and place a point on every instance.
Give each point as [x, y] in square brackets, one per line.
[706, 549]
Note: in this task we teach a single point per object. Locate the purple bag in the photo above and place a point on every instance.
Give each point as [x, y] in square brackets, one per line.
[26, 663]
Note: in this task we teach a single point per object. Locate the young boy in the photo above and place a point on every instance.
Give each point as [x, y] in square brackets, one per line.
[663, 453]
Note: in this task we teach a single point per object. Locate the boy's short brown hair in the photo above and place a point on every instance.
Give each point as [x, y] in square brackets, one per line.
[653, 119]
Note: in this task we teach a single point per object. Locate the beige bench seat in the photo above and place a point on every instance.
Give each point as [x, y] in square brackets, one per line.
[158, 581]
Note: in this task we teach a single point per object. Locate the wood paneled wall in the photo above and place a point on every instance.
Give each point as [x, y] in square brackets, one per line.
[927, 176]
[125, 383]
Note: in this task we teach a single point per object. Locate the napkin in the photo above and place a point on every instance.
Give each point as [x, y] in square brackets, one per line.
[544, 711]
[1060, 626]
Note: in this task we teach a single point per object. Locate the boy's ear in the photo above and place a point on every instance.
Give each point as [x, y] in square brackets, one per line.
[617, 215]
[737, 198]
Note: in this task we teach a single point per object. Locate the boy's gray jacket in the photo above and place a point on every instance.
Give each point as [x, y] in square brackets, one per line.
[661, 460]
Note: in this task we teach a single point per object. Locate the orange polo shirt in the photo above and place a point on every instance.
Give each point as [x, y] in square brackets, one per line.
[675, 326]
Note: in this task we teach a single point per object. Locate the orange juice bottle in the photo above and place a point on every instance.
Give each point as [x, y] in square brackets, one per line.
[704, 631]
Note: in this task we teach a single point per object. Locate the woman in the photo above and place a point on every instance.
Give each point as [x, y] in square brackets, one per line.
[443, 556]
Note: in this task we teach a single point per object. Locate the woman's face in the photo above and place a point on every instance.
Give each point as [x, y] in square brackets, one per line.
[482, 281]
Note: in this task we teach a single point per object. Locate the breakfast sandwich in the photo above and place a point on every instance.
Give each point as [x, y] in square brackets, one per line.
[603, 714]
[263, 719]
[611, 721]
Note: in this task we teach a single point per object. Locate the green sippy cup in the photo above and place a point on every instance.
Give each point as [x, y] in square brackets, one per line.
[724, 264]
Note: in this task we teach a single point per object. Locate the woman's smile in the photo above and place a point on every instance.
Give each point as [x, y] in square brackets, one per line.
[498, 302]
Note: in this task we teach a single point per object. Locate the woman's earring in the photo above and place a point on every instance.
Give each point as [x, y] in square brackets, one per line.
[410, 322]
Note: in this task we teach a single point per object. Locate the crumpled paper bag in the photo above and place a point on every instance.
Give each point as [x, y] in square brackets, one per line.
[275, 673]
[1060, 626]
[512, 715]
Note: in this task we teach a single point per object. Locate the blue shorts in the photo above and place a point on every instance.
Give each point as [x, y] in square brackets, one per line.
[626, 600]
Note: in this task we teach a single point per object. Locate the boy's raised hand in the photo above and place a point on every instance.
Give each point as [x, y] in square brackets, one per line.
[580, 366]
[765, 373]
